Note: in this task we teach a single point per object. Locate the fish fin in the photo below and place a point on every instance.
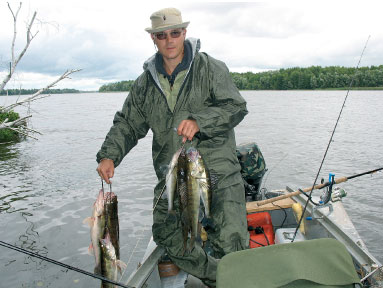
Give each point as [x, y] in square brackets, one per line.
[89, 221]
[97, 270]
[214, 179]
[121, 266]
[90, 249]
[203, 184]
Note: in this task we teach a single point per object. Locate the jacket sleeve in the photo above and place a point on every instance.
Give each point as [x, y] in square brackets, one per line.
[129, 125]
[228, 106]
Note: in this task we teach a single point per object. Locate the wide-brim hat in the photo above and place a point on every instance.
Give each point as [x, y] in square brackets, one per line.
[165, 19]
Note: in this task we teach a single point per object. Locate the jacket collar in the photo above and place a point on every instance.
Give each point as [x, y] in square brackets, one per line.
[150, 64]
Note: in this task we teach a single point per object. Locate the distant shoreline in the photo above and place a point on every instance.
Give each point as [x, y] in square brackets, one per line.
[322, 89]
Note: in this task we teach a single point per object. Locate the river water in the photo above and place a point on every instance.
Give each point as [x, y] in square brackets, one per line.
[48, 186]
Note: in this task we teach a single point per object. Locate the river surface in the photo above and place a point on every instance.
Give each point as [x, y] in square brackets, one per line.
[48, 186]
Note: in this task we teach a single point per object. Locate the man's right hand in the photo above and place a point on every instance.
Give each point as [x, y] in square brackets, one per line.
[106, 169]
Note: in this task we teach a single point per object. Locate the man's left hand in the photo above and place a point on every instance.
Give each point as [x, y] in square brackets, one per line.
[187, 129]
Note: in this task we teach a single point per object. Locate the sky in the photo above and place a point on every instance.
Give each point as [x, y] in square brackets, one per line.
[106, 39]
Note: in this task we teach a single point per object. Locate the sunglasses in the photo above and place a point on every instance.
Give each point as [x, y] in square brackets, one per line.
[173, 34]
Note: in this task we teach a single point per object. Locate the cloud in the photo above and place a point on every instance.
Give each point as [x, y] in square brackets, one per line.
[109, 42]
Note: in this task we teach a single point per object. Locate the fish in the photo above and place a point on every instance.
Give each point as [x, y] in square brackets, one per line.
[104, 218]
[171, 181]
[111, 220]
[182, 193]
[198, 187]
[111, 265]
[200, 174]
[97, 228]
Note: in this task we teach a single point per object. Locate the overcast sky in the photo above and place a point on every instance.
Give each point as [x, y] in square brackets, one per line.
[107, 39]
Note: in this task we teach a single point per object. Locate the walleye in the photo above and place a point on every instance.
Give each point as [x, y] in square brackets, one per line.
[182, 192]
[171, 180]
[111, 265]
[198, 186]
[97, 227]
[199, 174]
[104, 229]
[111, 220]
[188, 177]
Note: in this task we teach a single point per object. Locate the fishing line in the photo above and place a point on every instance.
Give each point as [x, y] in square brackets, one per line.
[329, 142]
[21, 250]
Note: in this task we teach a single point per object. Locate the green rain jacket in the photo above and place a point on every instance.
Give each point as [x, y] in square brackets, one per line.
[207, 95]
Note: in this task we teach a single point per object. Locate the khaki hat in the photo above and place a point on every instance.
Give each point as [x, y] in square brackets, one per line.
[165, 19]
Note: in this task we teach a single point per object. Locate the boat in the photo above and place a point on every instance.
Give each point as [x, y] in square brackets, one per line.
[282, 222]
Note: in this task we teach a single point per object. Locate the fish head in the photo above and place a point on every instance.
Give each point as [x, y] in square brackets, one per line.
[109, 197]
[175, 157]
[195, 162]
[192, 154]
[98, 207]
[107, 247]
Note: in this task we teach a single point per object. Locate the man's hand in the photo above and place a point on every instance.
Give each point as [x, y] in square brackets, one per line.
[106, 169]
[187, 129]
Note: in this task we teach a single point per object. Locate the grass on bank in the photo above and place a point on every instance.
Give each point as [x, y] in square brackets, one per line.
[6, 134]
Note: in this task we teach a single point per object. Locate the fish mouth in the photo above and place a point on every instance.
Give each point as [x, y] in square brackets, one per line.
[192, 154]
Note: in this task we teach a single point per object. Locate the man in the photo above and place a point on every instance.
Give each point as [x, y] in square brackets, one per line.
[184, 89]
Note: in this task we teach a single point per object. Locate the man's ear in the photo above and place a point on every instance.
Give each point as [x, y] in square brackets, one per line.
[152, 36]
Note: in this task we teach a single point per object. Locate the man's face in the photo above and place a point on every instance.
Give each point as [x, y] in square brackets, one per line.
[170, 43]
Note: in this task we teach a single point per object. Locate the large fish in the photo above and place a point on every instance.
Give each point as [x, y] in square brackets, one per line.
[111, 220]
[200, 175]
[171, 180]
[104, 218]
[182, 192]
[97, 228]
[198, 184]
[111, 265]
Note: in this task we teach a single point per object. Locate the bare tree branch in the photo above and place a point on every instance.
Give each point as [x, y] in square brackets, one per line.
[34, 96]
[19, 126]
[14, 31]
[30, 37]
[22, 133]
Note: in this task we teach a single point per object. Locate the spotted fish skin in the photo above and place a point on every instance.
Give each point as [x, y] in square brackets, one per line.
[182, 192]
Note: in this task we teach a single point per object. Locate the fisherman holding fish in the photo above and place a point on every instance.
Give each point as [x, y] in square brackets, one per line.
[193, 92]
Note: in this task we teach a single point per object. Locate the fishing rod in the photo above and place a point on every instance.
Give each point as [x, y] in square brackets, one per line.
[21, 250]
[328, 145]
[319, 186]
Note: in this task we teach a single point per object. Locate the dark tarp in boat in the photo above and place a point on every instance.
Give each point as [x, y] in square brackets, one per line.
[311, 263]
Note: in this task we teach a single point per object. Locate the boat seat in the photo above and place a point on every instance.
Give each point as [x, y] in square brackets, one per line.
[312, 263]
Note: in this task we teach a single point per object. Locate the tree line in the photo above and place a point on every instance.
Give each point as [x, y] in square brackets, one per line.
[33, 91]
[118, 86]
[314, 77]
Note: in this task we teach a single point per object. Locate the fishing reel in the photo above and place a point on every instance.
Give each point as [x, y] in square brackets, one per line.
[329, 193]
[326, 195]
